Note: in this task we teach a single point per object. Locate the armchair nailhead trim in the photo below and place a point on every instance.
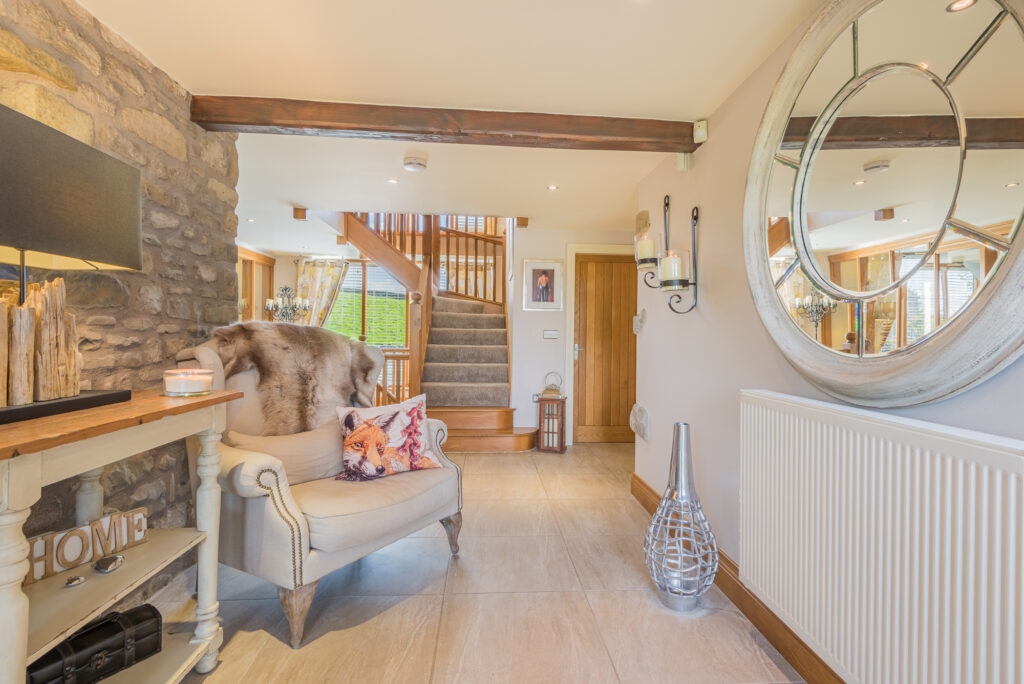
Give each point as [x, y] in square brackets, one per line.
[293, 525]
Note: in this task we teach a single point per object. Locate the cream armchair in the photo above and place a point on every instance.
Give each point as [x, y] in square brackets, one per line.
[292, 535]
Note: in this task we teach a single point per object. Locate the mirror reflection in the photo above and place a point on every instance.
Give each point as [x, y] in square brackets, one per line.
[898, 221]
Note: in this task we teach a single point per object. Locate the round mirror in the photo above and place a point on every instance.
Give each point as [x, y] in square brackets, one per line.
[885, 196]
[848, 199]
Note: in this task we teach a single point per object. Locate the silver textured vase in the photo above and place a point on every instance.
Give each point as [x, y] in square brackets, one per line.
[680, 548]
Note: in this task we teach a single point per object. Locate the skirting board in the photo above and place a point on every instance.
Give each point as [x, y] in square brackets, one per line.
[805, 661]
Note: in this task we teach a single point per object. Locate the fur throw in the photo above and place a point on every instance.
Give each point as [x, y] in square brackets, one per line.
[305, 372]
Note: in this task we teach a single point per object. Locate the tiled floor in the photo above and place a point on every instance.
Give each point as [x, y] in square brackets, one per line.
[550, 586]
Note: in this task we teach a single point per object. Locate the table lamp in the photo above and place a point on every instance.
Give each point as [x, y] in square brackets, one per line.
[63, 206]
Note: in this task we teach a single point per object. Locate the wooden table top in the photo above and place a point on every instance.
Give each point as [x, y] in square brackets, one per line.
[37, 434]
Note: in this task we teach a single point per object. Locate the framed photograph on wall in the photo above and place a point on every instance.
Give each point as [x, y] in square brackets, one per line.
[542, 285]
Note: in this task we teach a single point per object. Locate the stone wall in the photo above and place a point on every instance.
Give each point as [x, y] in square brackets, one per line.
[59, 65]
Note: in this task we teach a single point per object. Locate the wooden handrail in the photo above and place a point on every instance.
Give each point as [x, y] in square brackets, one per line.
[475, 265]
[476, 236]
[381, 252]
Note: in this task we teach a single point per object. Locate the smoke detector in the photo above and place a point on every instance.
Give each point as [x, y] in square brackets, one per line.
[877, 166]
[414, 164]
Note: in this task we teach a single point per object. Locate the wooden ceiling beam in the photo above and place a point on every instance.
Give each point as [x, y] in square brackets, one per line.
[422, 124]
[887, 132]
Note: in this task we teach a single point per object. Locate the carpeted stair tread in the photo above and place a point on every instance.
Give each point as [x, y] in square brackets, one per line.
[466, 393]
[467, 355]
[467, 336]
[459, 353]
[442, 319]
[465, 372]
[452, 305]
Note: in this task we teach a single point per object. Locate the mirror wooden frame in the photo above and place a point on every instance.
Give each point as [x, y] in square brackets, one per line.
[977, 344]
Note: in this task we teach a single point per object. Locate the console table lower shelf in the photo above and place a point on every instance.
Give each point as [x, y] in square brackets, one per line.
[42, 451]
[56, 611]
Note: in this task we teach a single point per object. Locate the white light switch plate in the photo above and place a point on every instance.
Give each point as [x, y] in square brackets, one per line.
[550, 334]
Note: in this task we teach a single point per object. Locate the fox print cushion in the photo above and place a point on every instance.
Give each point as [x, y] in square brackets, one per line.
[384, 440]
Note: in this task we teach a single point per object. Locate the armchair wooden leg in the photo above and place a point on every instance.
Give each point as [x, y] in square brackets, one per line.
[452, 526]
[295, 603]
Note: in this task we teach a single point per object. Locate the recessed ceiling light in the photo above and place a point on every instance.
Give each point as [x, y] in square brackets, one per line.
[251, 220]
[552, 187]
[960, 5]
[392, 180]
[1013, 184]
[859, 181]
[905, 220]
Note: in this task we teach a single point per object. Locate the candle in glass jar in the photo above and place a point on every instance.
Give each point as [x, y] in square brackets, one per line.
[187, 382]
[645, 248]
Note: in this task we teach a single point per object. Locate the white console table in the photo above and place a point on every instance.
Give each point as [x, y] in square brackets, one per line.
[38, 452]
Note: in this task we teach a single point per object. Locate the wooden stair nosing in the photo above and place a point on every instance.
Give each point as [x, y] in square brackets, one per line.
[519, 439]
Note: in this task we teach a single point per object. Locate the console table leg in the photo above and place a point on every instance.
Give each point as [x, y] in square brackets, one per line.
[208, 520]
[13, 602]
[89, 497]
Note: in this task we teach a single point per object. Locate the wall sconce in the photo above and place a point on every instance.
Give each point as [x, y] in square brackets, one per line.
[674, 271]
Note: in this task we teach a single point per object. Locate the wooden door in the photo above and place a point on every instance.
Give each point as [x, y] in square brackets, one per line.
[605, 366]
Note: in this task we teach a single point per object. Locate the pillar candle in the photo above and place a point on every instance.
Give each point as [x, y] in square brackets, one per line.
[673, 267]
[645, 247]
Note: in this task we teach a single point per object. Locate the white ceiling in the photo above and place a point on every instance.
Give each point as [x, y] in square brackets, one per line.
[671, 59]
[595, 189]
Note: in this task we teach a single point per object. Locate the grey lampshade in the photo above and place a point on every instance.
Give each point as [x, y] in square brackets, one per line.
[59, 196]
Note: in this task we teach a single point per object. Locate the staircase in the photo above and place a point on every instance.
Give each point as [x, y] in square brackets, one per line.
[458, 344]
[466, 363]
[465, 378]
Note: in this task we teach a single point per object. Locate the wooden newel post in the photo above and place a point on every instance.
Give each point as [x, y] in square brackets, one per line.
[415, 342]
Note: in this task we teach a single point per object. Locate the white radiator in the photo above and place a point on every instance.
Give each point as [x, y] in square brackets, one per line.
[892, 547]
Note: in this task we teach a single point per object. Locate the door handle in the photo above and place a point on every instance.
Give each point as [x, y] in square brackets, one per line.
[576, 349]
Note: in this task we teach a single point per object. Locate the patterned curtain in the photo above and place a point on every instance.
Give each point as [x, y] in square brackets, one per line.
[318, 281]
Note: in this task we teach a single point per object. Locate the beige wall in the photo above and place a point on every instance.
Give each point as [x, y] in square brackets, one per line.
[533, 356]
[691, 368]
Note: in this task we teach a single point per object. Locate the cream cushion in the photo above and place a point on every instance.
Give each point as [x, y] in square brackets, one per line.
[306, 456]
[343, 514]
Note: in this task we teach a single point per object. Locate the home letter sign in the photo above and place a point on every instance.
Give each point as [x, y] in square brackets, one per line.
[59, 551]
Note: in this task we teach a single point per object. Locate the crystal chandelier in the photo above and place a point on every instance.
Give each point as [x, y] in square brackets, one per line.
[814, 308]
[287, 307]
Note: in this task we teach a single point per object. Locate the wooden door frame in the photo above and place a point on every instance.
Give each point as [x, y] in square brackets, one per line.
[571, 250]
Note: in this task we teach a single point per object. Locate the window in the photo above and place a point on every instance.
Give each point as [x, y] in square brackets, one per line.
[385, 305]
